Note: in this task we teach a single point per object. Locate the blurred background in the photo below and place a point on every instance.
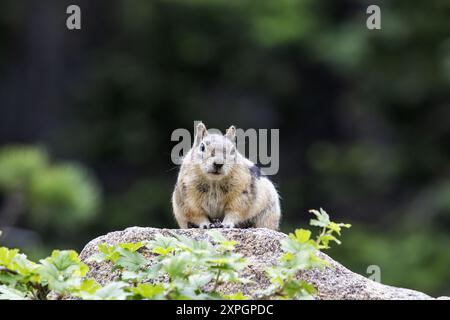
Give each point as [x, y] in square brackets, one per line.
[364, 116]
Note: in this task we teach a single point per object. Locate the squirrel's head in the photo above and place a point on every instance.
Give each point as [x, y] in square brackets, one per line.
[214, 154]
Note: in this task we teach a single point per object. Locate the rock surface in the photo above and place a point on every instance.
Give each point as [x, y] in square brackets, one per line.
[261, 248]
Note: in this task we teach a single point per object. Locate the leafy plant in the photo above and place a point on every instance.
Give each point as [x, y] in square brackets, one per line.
[300, 253]
[193, 269]
[179, 268]
[62, 273]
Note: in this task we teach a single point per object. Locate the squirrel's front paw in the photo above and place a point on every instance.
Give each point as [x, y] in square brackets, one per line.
[206, 225]
[227, 225]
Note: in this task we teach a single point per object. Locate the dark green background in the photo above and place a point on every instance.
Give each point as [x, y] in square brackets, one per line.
[364, 116]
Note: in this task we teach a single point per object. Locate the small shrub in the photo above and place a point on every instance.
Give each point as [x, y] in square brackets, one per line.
[47, 193]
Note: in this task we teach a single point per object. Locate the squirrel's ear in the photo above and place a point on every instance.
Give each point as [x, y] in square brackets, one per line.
[231, 133]
[200, 134]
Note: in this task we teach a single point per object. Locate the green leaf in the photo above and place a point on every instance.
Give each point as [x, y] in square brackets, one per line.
[131, 246]
[163, 251]
[112, 291]
[69, 261]
[288, 256]
[325, 240]
[7, 256]
[162, 241]
[149, 291]
[236, 296]
[89, 286]
[22, 265]
[200, 280]
[292, 245]
[308, 287]
[323, 219]
[301, 235]
[130, 260]
[8, 293]
[86, 290]
[109, 253]
[227, 246]
[336, 227]
[62, 271]
[333, 226]
[96, 257]
[176, 265]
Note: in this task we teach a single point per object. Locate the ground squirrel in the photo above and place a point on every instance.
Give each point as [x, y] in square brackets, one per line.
[218, 187]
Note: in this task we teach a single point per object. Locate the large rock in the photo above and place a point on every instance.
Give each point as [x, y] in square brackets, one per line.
[261, 248]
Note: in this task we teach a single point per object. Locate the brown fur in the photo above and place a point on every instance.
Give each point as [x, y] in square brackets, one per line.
[238, 196]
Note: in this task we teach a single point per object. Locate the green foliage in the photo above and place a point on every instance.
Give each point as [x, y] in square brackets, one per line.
[62, 273]
[194, 269]
[328, 228]
[181, 268]
[63, 191]
[18, 166]
[49, 194]
[370, 109]
[300, 253]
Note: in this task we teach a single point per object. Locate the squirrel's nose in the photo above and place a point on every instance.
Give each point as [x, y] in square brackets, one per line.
[217, 165]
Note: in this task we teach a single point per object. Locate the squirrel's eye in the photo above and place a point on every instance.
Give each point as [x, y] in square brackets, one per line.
[202, 147]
